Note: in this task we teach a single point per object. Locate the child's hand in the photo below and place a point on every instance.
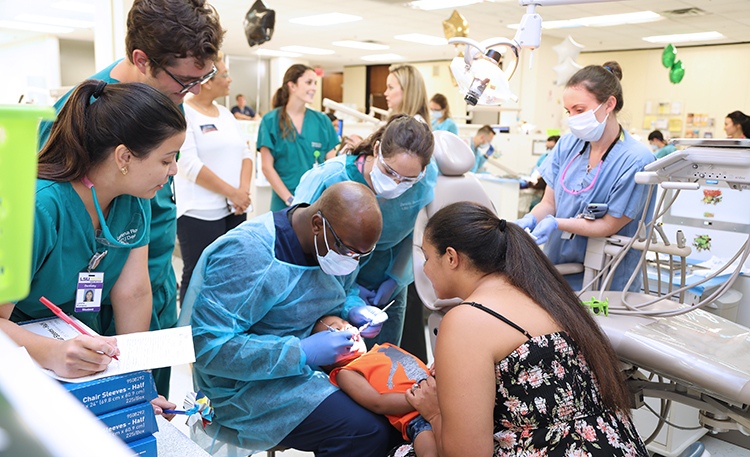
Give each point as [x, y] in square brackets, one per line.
[432, 369]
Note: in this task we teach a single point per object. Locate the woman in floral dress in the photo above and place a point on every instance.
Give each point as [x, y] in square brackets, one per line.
[521, 367]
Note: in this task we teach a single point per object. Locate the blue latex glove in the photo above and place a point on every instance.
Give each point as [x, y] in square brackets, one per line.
[385, 290]
[527, 222]
[544, 229]
[367, 295]
[360, 315]
[326, 348]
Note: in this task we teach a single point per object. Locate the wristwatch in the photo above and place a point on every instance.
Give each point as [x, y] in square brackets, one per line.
[289, 200]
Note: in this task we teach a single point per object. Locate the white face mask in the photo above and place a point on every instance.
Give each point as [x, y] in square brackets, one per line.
[586, 127]
[654, 147]
[436, 114]
[385, 186]
[334, 263]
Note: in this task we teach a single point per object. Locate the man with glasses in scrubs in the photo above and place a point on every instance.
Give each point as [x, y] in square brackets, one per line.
[171, 46]
[256, 294]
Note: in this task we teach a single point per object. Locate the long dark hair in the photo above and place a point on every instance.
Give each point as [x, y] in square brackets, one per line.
[474, 231]
[281, 98]
[402, 133]
[86, 132]
[601, 80]
[741, 119]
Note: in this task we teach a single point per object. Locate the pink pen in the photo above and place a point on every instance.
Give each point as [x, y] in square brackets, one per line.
[58, 312]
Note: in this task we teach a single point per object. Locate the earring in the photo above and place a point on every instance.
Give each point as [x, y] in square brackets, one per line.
[124, 171]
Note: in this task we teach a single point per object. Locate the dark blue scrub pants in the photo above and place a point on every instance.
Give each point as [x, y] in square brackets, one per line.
[339, 427]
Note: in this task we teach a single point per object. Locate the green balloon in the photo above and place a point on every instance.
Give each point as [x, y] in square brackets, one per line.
[677, 72]
[668, 56]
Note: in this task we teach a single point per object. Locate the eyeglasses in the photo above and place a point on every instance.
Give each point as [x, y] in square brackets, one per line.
[190, 85]
[394, 174]
[598, 307]
[341, 248]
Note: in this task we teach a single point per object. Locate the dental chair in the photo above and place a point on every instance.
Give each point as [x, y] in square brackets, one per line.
[454, 159]
[669, 351]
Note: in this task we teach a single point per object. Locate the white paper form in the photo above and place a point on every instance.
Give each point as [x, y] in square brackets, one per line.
[138, 351]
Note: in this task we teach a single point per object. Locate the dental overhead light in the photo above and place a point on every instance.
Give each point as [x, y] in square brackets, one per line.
[478, 74]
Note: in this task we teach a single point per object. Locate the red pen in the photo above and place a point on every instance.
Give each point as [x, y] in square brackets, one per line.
[58, 312]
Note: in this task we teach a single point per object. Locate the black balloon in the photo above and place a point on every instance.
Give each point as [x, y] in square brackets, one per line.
[259, 23]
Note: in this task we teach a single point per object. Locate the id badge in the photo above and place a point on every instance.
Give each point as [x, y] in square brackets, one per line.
[89, 291]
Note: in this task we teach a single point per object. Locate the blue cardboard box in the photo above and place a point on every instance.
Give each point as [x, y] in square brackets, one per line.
[144, 447]
[109, 394]
[132, 423]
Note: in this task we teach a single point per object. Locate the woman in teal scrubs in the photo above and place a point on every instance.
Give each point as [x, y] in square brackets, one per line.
[111, 149]
[440, 112]
[395, 162]
[293, 139]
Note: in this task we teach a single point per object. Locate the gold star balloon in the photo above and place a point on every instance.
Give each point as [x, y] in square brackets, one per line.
[455, 26]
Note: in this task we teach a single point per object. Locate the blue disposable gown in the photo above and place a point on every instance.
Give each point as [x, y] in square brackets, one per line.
[250, 311]
[615, 186]
[392, 256]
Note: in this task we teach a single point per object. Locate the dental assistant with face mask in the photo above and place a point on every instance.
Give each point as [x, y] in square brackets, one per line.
[292, 138]
[395, 163]
[594, 164]
[256, 295]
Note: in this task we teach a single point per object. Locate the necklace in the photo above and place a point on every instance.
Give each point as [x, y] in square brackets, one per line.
[588, 168]
[212, 111]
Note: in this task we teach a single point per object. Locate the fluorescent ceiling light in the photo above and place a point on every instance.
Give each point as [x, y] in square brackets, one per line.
[41, 28]
[382, 57]
[74, 6]
[361, 45]
[308, 50]
[272, 53]
[51, 20]
[422, 39]
[681, 38]
[440, 4]
[600, 21]
[325, 19]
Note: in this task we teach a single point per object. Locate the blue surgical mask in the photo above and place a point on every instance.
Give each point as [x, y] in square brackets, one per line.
[654, 147]
[334, 263]
[137, 223]
[436, 114]
[586, 127]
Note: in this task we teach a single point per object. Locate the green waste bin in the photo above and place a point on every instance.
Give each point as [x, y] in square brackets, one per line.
[18, 148]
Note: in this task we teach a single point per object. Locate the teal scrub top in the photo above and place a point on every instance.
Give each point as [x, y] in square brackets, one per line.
[295, 154]
[163, 234]
[447, 125]
[392, 257]
[65, 241]
[665, 151]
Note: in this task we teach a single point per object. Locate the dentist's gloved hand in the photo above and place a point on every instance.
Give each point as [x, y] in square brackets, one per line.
[527, 222]
[360, 315]
[385, 290]
[367, 295]
[544, 229]
[326, 348]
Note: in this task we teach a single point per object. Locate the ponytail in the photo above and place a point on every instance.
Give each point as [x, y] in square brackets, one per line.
[281, 98]
[402, 133]
[494, 246]
[98, 117]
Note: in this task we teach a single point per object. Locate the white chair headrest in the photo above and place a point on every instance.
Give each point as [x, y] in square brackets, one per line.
[452, 155]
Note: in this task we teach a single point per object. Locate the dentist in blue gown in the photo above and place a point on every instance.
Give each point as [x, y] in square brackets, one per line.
[395, 162]
[256, 294]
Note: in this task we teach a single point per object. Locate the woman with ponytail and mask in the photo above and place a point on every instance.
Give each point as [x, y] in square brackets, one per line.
[111, 149]
[292, 138]
[395, 163]
[521, 367]
[595, 164]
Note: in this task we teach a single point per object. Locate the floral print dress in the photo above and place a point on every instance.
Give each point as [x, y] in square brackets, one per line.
[548, 404]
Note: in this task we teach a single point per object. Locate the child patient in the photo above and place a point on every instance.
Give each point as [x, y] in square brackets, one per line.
[377, 380]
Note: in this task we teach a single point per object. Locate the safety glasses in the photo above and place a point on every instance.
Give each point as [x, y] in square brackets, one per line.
[190, 85]
[394, 175]
[598, 307]
[341, 248]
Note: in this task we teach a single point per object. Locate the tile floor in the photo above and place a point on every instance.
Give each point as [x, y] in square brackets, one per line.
[182, 382]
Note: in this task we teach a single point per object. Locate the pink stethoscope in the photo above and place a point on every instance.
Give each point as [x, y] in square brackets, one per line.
[598, 168]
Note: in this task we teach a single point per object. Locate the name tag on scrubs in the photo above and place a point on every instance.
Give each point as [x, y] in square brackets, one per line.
[316, 145]
[89, 291]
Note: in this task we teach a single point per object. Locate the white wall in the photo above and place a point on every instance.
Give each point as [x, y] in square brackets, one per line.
[355, 86]
[76, 61]
[36, 64]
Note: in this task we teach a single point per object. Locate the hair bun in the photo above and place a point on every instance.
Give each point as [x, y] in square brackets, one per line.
[614, 68]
